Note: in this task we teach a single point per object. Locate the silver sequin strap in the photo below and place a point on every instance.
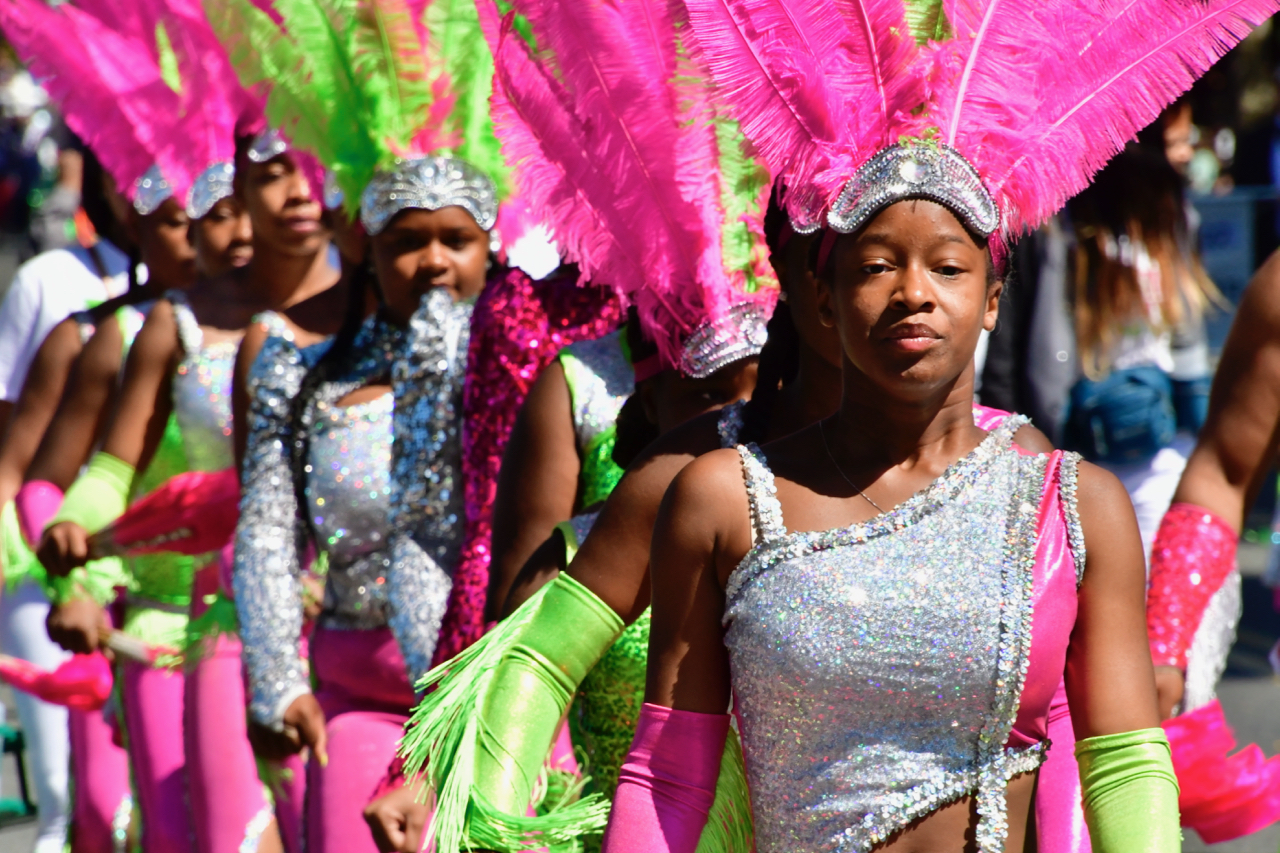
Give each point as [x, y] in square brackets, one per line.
[84, 325]
[189, 333]
[762, 495]
[1068, 474]
[274, 325]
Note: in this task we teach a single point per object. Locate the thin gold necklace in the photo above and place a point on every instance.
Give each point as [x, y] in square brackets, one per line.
[822, 428]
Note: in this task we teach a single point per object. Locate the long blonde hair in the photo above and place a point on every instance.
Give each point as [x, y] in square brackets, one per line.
[1131, 237]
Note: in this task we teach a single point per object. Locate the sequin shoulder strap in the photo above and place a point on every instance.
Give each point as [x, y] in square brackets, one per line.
[762, 496]
[274, 325]
[1068, 472]
[729, 424]
[189, 332]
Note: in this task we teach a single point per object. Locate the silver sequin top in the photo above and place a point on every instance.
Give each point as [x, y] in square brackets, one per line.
[600, 380]
[877, 668]
[387, 512]
[202, 391]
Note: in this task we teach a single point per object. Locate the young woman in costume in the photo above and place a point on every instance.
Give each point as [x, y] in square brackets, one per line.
[103, 107]
[937, 726]
[358, 455]
[182, 366]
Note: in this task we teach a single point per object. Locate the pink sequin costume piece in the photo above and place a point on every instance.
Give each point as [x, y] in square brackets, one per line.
[1194, 553]
[516, 330]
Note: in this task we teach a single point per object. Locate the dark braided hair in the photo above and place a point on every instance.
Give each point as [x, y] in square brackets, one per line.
[335, 361]
[780, 358]
[634, 429]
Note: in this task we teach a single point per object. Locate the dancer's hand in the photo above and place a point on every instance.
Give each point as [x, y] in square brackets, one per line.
[78, 625]
[1170, 686]
[63, 547]
[307, 719]
[397, 821]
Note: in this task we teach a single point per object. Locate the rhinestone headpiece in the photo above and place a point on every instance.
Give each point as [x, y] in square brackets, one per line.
[267, 145]
[150, 191]
[739, 333]
[429, 183]
[210, 187]
[915, 170]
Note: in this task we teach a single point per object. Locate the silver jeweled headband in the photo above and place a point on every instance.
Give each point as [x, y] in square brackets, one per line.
[739, 333]
[429, 183]
[915, 170]
[267, 145]
[150, 191]
[211, 186]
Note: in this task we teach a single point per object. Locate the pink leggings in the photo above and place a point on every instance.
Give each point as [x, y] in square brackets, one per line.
[101, 772]
[365, 693]
[226, 794]
[153, 719]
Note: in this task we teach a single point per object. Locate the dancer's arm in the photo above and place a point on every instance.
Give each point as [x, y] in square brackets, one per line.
[34, 407]
[82, 414]
[538, 483]
[1129, 789]
[136, 428]
[1236, 447]
[667, 785]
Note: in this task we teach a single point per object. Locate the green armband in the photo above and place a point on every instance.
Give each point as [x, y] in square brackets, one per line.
[533, 686]
[100, 495]
[1130, 792]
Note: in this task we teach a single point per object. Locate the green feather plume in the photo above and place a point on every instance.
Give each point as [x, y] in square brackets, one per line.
[927, 21]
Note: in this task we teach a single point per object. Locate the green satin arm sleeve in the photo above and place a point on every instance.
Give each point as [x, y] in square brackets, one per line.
[532, 688]
[1130, 792]
[100, 495]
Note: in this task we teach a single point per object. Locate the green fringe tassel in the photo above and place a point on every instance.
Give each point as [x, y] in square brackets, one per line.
[729, 827]
[442, 733]
[201, 633]
[489, 829]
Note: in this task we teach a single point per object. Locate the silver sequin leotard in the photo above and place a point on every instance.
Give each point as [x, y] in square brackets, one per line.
[877, 669]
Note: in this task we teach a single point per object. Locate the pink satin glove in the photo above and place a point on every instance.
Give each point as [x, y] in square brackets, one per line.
[36, 503]
[668, 782]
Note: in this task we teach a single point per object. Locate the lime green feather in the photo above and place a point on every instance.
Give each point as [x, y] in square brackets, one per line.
[927, 21]
[169, 72]
[744, 187]
[389, 63]
[460, 56]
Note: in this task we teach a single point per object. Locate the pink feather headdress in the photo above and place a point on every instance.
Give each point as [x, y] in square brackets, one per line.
[215, 107]
[616, 146]
[1003, 122]
[105, 75]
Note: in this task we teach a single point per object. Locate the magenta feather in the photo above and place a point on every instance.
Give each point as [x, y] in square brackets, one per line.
[1039, 96]
[107, 83]
[614, 145]
[815, 84]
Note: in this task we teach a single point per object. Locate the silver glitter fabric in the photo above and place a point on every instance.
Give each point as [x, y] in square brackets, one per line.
[426, 459]
[739, 333]
[1207, 657]
[729, 425]
[269, 540]
[600, 380]
[202, 391]
[210, 187]
[266, 146]
[150, 191]
[877, 668]
[429, 183]
[915, 170]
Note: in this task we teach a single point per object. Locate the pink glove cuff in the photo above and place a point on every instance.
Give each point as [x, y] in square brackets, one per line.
[36, 503]
[668, 783]
[1194, 553]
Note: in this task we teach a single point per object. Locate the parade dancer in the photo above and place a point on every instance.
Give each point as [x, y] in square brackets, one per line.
[912, 205]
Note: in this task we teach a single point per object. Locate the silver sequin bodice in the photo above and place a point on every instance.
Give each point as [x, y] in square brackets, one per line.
[600, 380]
[202, 392]
[877, 668]
[348, 499]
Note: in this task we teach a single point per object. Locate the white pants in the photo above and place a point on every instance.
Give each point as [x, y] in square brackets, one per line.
[23, 635]
[1151, 485]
